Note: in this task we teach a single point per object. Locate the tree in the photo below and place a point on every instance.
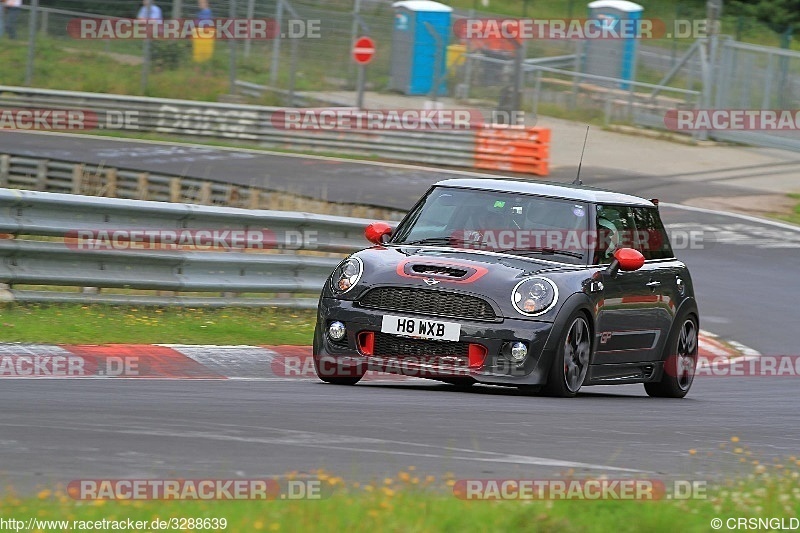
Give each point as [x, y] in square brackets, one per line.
[781, 16]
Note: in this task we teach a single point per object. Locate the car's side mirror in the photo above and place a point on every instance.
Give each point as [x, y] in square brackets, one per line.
[378, 232]
[625, 259]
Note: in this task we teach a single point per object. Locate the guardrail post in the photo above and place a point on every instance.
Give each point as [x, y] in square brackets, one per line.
[254, 199]
[175, 190]
[232, 195]
[41, 175]
[77, 178]
[205, 193]
[5, 169]
[141, 189]
[111, 182]
[5, 293]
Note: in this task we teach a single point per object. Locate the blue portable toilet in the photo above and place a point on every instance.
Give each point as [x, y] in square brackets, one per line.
[615, 58]
[417, 60]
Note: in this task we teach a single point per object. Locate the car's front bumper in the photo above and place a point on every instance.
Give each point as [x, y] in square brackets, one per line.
[345, 357]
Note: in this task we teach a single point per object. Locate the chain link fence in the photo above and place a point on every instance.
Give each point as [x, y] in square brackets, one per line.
[758, 77]
[311, 54]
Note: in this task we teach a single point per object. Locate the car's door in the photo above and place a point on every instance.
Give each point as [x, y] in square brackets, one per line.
[662, 269]
[630, 326]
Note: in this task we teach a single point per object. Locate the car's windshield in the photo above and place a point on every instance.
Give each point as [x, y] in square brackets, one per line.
[515, 223]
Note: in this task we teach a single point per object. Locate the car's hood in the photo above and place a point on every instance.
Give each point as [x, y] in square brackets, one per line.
[446, 268]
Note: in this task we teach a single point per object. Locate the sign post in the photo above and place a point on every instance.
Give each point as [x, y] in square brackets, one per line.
[363, 52]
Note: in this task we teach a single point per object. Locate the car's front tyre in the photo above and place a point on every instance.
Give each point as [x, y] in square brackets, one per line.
[460, 384]
[336, 374]
[341, 381]
[571, 363]
[680, 361]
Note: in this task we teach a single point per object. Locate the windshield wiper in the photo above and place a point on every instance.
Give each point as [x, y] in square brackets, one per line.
[435, 240]
[543, 251]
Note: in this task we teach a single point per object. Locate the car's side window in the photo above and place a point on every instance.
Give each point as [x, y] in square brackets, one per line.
[651, 237]
[615, 229]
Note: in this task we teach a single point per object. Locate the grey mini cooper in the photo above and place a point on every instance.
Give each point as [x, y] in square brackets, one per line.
[547, 287]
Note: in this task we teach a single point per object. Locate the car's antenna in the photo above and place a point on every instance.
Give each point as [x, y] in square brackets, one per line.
[577, 180]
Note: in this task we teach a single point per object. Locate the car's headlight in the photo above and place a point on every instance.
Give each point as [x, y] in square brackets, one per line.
[346, 275]
[534, 296]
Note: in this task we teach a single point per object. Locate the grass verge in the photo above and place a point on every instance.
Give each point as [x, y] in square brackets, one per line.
[88, 70]
[414, 502]
[102, 324]
[794, 216]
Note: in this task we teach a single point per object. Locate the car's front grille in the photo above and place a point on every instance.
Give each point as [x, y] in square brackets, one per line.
[387, 345]
[429, 302]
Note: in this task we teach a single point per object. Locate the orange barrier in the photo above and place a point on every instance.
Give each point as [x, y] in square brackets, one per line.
[513, 150]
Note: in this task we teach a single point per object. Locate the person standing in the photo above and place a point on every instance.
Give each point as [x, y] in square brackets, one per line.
[12, 8]
[203, 36]
[204, 16]
[149, 11]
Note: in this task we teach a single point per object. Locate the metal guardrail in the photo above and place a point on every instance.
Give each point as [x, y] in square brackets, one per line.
[59, 176]
[52, 175]
[248, 123]
[297, 256]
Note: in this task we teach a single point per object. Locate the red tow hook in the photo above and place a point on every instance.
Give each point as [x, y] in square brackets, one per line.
[366, 342]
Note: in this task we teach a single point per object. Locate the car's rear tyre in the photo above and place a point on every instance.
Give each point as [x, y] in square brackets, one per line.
[571, 363]
[680, 361]
[352, 379]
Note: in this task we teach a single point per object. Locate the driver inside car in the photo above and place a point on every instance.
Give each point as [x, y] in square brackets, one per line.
[607, 238]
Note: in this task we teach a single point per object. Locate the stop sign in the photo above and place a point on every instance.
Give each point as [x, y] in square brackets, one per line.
[363, 50]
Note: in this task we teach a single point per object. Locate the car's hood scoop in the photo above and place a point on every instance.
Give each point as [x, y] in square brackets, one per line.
[444, 269]
[436, 270]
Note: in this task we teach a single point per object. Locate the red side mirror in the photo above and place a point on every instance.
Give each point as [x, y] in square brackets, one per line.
[376, 232]
[629, 259]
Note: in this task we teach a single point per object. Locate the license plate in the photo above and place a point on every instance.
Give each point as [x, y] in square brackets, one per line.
[421, 328]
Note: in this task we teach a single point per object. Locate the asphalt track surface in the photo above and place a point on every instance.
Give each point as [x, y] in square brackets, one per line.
[57, 430]
[394, 186]
[62, 430]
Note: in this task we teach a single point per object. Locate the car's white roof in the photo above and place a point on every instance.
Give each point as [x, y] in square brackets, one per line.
[556, 190]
